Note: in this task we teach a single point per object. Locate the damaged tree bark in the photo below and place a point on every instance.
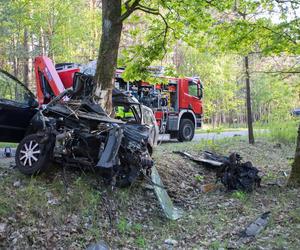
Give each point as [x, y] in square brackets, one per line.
[112, 24]
[294, 179]
[108, 52]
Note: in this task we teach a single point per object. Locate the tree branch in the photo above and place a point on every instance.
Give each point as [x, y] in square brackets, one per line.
[137, 6]
[276, 72]
[287, 1]
[147, 8]
[129, 9]
[165, 32]
[285, 34]
[156, 12]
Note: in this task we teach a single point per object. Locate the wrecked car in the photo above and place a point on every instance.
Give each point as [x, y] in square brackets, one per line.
[233, 173]
[129, 110]
[74, 131]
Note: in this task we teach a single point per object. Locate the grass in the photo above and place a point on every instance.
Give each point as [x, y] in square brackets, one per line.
[279, 131]
[218, 130]
[8, 144]
[88, 211]
[240, 195]
[122, 226]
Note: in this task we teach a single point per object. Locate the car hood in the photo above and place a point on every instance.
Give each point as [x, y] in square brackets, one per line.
[66, 110]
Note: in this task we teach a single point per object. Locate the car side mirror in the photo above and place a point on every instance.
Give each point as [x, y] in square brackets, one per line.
[200, 91]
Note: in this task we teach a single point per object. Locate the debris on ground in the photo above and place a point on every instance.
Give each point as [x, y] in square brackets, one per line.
[17, 183]
[131, 219]
[3, 227]
[164, 199]
[101, 245]
[200, 160]
[257, 226]
[171, 242]
[231, 171]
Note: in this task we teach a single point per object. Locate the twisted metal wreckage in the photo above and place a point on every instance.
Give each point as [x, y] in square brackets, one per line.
[230, 171]
[74, 131]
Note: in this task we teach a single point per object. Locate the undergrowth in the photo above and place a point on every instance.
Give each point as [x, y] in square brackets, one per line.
[280, 131]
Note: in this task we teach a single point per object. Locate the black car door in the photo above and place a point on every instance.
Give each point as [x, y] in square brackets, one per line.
[17, 107]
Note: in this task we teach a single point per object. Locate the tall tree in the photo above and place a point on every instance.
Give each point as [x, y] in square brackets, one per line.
[112, 23]
[248, 102]
[47, 27]
[246, 30]
[294, 179]
[183, 15]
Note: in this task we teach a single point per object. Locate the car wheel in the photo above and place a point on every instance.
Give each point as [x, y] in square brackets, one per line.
[32, 156]
[186, 130]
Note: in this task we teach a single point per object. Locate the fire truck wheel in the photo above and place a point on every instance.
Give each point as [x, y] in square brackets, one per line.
[186, 130]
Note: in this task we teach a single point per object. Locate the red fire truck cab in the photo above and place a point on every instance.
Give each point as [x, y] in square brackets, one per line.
[177, 104]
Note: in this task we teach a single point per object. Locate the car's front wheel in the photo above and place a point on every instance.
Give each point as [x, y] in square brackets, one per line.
[32, 156]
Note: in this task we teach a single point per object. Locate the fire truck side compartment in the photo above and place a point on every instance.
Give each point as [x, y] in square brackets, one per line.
[172, 124]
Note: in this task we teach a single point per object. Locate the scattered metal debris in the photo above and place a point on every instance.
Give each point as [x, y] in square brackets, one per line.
[101, 245]
[164, 199]
[236, 175]
[17, 183]
[171, 242]
[256, 226]
[200, 160]
[231, 171]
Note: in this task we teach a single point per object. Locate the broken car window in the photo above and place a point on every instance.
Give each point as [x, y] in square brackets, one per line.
[148, 117]
[11, 90]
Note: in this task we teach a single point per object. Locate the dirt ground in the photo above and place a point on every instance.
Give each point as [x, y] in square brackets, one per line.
[72, 211]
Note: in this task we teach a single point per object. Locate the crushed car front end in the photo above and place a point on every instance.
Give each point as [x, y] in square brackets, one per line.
[78, 133]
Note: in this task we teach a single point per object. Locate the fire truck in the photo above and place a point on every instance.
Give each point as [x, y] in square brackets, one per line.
[176, 102]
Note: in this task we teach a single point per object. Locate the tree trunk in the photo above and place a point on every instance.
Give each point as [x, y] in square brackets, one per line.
[248, 102]
[294, 179]
[42, 42]
[15, 59]
[108, 52]
[26, 59]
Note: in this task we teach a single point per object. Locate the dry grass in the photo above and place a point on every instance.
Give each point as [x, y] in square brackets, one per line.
[40, 213]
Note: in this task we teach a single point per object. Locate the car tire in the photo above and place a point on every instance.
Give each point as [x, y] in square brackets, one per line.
[186, 130]
[32, 157]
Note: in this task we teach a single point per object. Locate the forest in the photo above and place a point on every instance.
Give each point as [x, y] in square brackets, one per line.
[70, 31]
[246, 54]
